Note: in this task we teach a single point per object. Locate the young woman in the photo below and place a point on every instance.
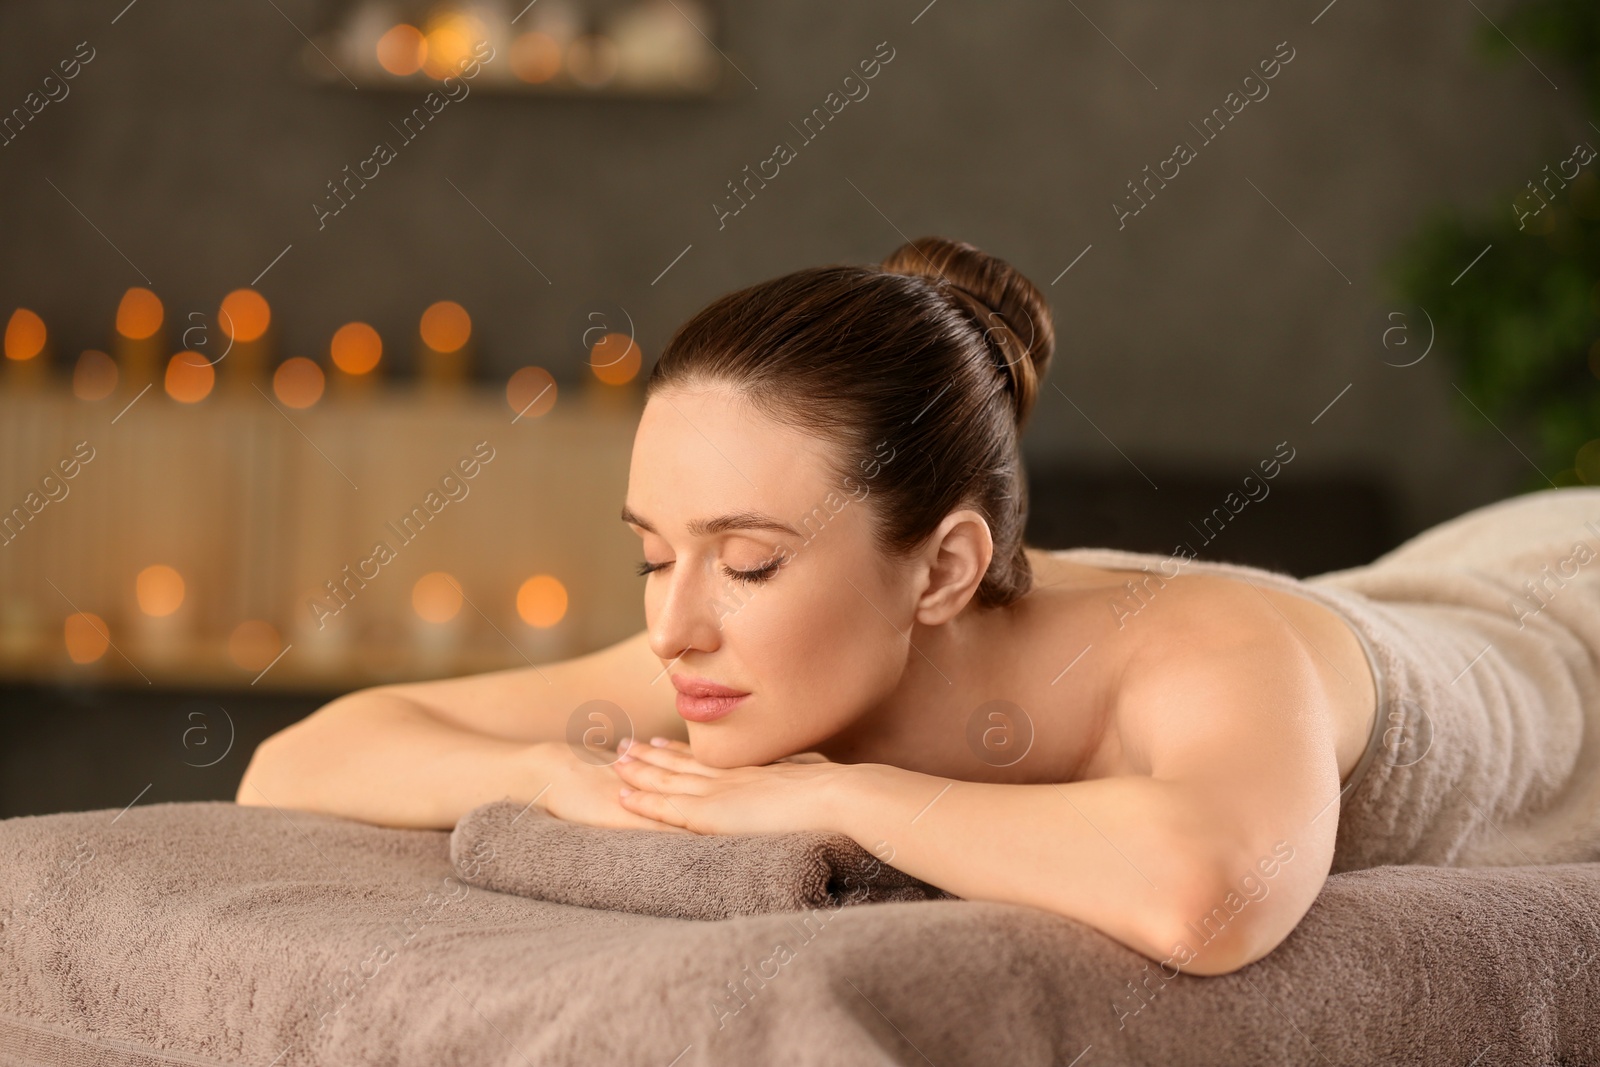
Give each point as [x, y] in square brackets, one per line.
[845, 632]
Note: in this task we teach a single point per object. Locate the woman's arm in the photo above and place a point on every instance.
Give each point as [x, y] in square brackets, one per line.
[422, 754]
[1132, 856]
[1206, 863]
[381, 758]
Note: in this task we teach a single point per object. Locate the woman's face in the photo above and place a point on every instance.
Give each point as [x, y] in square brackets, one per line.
[816, 641]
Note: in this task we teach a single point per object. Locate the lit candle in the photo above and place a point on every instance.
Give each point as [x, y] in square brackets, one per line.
[246, 345]
[162, 629]
[542, 607]
[27, 348]
[356, 352]
[614, 362]
[444, 345]
[298, 382]
[530, 392]
[139, 348]
[437, 629]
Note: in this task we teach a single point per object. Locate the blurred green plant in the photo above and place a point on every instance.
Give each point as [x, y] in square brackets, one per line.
[1523, 324]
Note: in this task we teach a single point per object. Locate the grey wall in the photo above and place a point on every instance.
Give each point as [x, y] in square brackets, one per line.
[1203, 333]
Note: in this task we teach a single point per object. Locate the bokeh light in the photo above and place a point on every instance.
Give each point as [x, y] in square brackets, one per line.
[298, 382]
[190, 377]
[25, 335]
[355, 348]
[531, 391]
[542, 601]
[535, 57]
[95, 376]
[446, 326]
[159, 590]
[139, 314]
[254, 644]
[244, 315]
[86, 637]
[615, 358]
[436, 597]
[402, 50]
[451, 37]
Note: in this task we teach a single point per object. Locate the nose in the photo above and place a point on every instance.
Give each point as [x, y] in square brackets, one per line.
[687, 615]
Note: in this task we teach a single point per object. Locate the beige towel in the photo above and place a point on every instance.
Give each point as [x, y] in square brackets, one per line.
[198, 935]
[683, 876]
[1485, 633]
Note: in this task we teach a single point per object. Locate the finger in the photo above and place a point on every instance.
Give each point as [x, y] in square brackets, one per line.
[638, 744]
[657, 806]
[666, 757]
[641, 774]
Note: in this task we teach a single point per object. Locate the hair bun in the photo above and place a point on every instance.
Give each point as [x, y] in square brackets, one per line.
[1011, 312]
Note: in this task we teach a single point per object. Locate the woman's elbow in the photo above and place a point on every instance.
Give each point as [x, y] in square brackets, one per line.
[268, 778]
[1216, 929]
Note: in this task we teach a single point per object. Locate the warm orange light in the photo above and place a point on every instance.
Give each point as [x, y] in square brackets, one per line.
[446, 326]
[356, 348]
[139, 314]
[190, 377]
[254, 644]
[25, 335]
[95, 376]
[592, 59]
[451, 37]
[542, 601]
[244, 315]
[159, 590]
[298, 382]
[402, 50]
[535, 57]
[615, 358]
[436, 597]
[86, 637]
[531, 392]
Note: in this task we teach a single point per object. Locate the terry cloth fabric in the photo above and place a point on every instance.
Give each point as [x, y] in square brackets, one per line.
[684, 876]
[1485, 635]
[198, 935]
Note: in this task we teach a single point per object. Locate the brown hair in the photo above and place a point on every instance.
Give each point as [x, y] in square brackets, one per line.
[938, 353]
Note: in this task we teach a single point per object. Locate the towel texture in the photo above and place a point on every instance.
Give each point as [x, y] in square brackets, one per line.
[1486, 635]
[195, 935]
[683, 876]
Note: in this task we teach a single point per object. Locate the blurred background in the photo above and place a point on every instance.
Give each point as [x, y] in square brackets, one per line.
[326, 322]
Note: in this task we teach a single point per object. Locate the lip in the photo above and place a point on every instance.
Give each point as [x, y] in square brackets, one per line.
[700, 700]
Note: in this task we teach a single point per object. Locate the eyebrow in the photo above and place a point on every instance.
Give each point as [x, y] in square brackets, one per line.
[738, 520]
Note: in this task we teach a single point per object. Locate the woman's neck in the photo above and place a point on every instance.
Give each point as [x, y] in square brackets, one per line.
[981, 698]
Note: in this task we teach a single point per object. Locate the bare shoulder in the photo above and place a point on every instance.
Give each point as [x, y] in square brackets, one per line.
[1219, 689]
[620, 686]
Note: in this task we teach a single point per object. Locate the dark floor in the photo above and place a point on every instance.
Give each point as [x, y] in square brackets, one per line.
[68, 748]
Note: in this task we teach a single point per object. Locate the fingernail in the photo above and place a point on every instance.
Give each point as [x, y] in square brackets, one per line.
[622, 746]
[626, 790]
[624, 758]
[659, 742]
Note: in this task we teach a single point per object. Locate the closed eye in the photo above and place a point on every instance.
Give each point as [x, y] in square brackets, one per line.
[759, 574]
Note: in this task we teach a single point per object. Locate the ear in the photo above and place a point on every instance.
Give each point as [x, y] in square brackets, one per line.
[957, 557]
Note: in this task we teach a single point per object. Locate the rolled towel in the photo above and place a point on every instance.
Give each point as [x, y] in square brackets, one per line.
[512, 848]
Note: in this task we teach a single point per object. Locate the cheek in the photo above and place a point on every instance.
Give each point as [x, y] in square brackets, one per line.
[820, 656]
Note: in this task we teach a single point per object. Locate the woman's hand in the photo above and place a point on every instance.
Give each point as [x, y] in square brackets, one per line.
[663, 781]
[584, 791]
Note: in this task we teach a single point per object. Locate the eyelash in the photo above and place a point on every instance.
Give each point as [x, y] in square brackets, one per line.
[760, 574]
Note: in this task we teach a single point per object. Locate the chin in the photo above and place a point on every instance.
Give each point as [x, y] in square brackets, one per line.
[717, 746]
